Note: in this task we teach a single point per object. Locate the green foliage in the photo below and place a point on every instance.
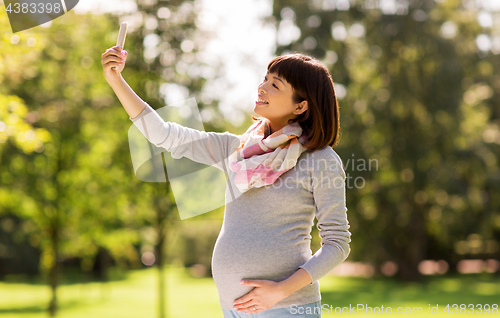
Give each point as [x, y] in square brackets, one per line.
[15, 124]
[64, 156]
[65, 99]
[74, 188]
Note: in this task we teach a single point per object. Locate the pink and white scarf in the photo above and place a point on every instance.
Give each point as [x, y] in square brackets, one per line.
[259, 161]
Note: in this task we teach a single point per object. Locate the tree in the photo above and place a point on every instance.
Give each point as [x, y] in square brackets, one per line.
[64, 100]
[16, 132]
[79, 190]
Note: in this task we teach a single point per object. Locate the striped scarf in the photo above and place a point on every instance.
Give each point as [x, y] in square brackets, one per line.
[259, 161]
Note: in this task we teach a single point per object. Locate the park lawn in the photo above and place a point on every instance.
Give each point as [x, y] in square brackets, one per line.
[135, 296]
[433, 291]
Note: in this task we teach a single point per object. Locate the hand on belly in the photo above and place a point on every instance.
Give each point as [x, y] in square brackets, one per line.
[266, 294]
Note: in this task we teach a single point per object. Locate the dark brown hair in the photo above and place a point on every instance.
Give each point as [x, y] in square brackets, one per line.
[310, 81]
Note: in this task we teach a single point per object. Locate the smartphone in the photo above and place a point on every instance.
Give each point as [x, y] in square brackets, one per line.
[121, 37]
[122, 34]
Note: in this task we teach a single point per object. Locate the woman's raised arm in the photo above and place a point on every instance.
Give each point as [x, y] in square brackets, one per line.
[113, 62]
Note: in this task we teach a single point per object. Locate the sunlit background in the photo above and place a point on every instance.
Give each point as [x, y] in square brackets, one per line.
[242, 40]
[418, 86]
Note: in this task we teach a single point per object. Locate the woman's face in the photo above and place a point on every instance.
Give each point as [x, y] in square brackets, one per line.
[275, 102]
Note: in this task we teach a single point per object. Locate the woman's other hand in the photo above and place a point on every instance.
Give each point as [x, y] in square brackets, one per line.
[113, 62]
[266, 294]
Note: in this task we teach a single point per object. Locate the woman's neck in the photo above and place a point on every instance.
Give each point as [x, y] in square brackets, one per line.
[275, 127]
[267, 130]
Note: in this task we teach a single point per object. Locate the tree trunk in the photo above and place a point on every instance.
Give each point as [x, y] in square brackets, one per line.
[162, 224]
[104, 261]
[408, 270]
[160, 264]
[54, 271]
[411, 255]
[161, 276]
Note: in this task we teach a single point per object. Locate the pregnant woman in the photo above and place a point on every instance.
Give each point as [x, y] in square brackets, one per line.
[282, 173]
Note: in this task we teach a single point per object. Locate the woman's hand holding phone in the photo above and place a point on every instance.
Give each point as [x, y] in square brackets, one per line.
[113, 62]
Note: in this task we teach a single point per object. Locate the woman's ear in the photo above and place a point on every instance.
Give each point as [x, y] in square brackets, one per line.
[301, 107]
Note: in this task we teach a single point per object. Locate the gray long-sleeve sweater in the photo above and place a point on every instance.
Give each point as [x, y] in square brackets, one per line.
[266, 231]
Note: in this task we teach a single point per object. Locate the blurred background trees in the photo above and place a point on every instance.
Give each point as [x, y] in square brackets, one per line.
[418, 83]
[418, 87]
[66, 182]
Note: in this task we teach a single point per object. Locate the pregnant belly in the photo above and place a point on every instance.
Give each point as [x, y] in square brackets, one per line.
[258, 254]
[254, 255]
[240, 258]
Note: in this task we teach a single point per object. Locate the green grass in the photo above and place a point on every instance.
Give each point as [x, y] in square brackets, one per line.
[135, 296]
[461, 289]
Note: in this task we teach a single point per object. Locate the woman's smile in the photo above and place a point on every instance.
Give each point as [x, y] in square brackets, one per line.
[261, 101]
